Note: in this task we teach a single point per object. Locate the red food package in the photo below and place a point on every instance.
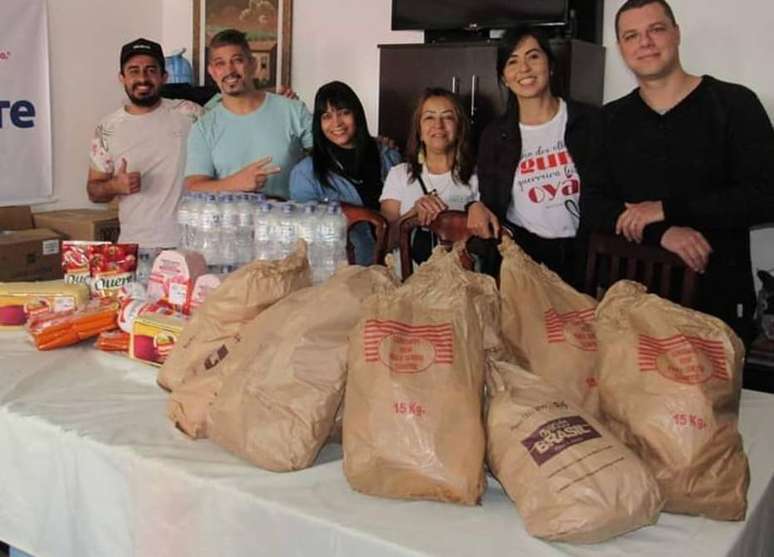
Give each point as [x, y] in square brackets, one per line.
[112, 266]
[76, 257]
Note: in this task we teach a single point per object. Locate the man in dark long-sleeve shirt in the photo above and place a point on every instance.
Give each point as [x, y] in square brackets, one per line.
[689, 165]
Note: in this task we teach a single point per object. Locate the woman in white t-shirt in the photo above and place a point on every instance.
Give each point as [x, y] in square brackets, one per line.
[439, 172]
[533, 159]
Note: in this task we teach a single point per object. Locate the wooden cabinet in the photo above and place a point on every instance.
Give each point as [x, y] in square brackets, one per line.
[470, 70]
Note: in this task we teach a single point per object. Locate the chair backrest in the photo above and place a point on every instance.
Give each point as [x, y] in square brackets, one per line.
[449, 227]
[655, 267]
[355, 215]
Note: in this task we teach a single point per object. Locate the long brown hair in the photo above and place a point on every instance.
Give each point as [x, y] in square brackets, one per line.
[462, 167]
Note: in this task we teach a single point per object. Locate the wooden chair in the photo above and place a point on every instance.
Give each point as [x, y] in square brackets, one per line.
[355, 215]
[449, 227]
[652, 266]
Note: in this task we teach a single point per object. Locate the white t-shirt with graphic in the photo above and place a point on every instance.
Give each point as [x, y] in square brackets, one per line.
[153, 144]
[546, 187]
[456, 195]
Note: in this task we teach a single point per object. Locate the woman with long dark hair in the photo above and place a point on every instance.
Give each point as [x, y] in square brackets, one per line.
[346, 163]
[533, 159]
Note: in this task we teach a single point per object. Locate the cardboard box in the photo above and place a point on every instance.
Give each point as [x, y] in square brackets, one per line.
[18, 217]
[81, 224]
[29, 255]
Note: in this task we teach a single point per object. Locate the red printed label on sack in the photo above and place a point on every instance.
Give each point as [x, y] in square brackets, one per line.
[573, 327]
[684, 359]
[412, 408]
[408, 348]
[555, 436]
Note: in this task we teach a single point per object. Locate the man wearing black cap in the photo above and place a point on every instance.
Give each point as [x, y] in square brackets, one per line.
[138, 152]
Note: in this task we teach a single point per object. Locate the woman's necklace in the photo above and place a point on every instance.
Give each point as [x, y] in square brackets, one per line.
[433, 188]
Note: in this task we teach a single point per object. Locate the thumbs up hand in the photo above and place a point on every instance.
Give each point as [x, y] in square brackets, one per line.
[125, 183]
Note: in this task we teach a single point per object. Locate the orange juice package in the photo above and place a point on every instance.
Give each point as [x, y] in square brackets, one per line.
[50, 330]
[19, 300]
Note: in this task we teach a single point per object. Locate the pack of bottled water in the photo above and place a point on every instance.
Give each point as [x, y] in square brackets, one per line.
[232, 229]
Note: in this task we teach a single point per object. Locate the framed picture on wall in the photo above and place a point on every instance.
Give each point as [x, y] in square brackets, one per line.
[267, 25]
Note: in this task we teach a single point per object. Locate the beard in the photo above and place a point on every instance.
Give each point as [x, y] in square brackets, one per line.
[147, 100]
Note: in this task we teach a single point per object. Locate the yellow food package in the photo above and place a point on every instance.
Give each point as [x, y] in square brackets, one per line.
[154, 337]
[19, 300]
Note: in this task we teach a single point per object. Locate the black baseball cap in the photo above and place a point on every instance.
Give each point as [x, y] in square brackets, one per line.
[142, 46]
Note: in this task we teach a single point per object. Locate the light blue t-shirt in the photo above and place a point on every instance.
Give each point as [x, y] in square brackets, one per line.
[222, 143]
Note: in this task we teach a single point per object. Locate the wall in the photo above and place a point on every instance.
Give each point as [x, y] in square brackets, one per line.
[340, 42]
[729, 40]
[85, 41]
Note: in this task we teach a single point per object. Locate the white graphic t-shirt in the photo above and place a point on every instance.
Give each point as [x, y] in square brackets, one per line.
[454, 194]
[546, 187]
[153, 144]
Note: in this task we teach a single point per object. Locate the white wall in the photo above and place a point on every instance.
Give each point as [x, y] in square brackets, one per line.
[85, 38]
[337, 40]
[731, 41]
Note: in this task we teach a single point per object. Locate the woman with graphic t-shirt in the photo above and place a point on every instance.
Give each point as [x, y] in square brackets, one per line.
[532, 160]
[439, 172]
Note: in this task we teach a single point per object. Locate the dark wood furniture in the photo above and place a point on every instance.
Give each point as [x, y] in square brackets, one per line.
[470, 70]
[612, 258]
[378, 223]
[448, 227]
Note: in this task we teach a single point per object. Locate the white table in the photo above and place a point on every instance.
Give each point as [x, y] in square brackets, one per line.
[90, 466]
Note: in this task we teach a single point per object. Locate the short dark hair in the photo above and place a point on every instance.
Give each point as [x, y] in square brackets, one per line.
[462, 169]
[634, 4]
[229, 37]
[338, 95]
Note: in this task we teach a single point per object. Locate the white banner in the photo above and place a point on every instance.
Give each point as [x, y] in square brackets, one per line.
[25, 104]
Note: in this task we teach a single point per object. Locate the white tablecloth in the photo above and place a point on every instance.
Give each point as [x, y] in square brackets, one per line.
[90, 466]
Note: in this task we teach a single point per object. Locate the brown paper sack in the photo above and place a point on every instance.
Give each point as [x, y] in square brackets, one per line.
[242, 295]
[670, 382]
[549, 326]
[570, 478]
[285, 381]
[214, 332]
[412, 415]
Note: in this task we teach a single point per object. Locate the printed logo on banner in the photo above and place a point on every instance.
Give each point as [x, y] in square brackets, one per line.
[573, 327]
[25, 105]
[408, 348]
[685, 359]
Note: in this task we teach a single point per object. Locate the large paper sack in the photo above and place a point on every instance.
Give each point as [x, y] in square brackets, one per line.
[549, 326]
[412, 415]
[285, 380]
[670, 381]
[570, 478]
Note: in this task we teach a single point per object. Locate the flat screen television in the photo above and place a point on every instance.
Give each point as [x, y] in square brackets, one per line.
[476, 14]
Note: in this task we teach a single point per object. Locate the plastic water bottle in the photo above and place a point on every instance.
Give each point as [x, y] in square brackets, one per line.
[244, 242]
[307, 231]
[184, 210]
[198, 200]
[287, 234]
[208, 237]
[263, 245]
[341, 226]
[228, 233]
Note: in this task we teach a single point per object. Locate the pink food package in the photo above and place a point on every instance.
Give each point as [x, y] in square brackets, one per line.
[202, 287]
[173, 276]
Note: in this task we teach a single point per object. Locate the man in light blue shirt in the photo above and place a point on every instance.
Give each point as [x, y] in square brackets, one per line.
[251, 140]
